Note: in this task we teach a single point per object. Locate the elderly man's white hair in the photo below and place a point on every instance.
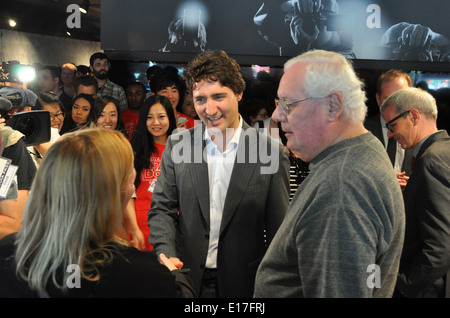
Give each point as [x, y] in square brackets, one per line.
[328, 72]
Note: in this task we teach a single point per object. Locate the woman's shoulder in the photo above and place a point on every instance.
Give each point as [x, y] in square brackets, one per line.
[141, 273]
[130, 273]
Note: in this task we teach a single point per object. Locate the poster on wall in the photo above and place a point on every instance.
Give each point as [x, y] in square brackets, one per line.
[401, 30]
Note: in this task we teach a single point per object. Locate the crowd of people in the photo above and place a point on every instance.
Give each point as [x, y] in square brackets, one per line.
[197, 185]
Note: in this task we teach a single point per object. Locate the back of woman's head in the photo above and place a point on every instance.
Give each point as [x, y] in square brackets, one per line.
[75, 203]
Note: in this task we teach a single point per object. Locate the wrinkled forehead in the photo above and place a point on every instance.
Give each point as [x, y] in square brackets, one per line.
[292, 81]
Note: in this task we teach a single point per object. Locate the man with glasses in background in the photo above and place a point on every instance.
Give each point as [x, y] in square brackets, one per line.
[389, 82]
[343, 232]
[410, 116]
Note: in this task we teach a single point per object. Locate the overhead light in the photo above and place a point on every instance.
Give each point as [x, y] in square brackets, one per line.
[68, 33]
[84, 7]
[12, 23]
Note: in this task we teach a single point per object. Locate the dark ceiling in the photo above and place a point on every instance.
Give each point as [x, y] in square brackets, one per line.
[49, 17]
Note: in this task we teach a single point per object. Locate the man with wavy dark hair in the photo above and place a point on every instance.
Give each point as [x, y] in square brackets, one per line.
[217, 203]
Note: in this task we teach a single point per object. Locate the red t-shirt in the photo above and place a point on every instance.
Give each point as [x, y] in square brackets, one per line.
[130, 121]
[191, 122]
[144, 193]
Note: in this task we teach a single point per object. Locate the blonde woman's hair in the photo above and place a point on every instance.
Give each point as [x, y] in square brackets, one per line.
[75, 207]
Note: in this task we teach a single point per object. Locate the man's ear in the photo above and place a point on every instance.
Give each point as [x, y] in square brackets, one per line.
[239, 96]
[378, 98]
[336, 105]
[415, 116]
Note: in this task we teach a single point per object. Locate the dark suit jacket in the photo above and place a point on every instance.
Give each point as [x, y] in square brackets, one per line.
[255, 206]
[373, 125]
[426, 252]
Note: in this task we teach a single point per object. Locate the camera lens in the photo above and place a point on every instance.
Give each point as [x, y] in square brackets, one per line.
[35, 125]
[26, 125]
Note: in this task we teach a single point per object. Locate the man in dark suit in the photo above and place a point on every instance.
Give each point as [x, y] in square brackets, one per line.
[219, 198]
[424, 267]
[388, 83]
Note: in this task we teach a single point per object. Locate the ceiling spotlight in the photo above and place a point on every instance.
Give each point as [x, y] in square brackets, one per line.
[12, 23]
[84, 7]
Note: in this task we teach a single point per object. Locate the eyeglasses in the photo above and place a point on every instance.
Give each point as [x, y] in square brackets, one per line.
[286, 106]
[59, 115]
[389, 123]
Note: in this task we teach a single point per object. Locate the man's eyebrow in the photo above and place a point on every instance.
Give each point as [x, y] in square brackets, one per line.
[214, 95]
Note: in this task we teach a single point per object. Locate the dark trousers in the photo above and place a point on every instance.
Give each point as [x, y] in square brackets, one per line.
[209, 288]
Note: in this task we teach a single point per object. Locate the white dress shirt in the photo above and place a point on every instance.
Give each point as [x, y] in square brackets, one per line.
[220, 167]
